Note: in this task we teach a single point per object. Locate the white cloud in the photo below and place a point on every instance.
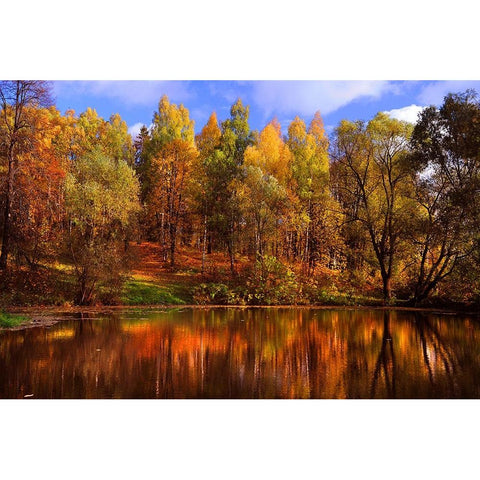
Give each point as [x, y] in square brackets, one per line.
[130, 93]
[406, 114]
[434, 92]
[306, 97]
[134, 130]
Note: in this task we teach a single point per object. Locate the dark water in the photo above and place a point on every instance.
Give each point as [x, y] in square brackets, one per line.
[255, 353]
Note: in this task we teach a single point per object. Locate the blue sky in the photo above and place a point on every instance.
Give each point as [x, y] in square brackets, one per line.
[136, 101]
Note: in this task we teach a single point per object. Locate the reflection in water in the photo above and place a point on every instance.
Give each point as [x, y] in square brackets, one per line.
[245, 353]
[386, 361]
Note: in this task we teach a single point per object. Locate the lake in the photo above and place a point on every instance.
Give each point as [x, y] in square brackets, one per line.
[245, 353]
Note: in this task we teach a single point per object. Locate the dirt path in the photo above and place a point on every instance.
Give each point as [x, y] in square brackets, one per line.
[149, 266]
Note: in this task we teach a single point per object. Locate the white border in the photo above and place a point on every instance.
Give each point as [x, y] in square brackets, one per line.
[239, 439]
[251, 39]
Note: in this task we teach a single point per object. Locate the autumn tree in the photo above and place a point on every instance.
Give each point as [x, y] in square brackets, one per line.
[118, 142]
[111, 137]
[218, 177]
[315, 216]
[264, 192]
[16, 132]
[101, 198]
[39, 209]
[207, 186]
[372, 160]
[165, 163]
[347, 192]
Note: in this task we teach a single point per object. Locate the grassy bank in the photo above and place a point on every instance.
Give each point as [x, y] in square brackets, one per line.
[141, 292]
[11, 320]
[152, 282]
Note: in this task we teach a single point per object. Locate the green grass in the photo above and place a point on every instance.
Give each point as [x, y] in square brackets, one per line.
[138, 292]
[9, 320]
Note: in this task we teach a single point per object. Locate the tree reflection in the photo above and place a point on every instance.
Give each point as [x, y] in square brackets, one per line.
[234, 353]
[385, 361]
[436, 349]
[439, 357]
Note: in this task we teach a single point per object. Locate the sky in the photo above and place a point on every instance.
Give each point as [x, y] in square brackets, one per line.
[136, 101]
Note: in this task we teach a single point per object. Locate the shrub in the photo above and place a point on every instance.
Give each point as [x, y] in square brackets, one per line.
[271, 283]
[215, 293]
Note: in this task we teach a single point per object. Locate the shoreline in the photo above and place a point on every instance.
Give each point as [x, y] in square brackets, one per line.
[49, 316]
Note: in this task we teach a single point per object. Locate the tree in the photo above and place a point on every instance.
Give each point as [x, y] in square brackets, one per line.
[118, 142]
[39, 207]
[207, 186]
[445, 152]
[236, 137]
[16, 133]
[209, 138]
[166, 160]
[373, 160]
[142, 162]
[267, 167]
[315, 217]
[438, 233]
[111, 137]
[172, 166]
[101, 198]
[236, 133]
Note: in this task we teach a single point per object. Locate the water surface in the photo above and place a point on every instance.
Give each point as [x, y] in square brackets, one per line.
[245, 353]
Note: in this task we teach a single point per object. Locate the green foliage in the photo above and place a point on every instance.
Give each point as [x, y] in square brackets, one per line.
[236, 133]
[10, 320]
[100, 192]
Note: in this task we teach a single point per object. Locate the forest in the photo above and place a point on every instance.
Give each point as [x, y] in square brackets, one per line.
[378, 212]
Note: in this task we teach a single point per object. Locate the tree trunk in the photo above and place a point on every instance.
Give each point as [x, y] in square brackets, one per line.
[204, 247]
[162, 237]
[172, 248]
[7, 214]
[231, 255]
[209, 244]
[387, 287]
[231, 245]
